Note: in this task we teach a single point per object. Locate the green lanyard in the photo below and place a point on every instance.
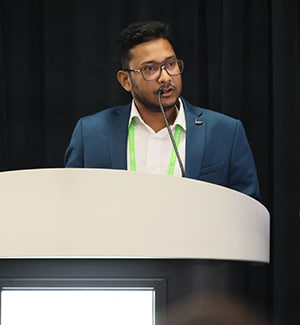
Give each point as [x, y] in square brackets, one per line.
[132, 160]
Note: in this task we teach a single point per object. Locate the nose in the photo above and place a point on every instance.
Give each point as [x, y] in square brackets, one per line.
[164, 75]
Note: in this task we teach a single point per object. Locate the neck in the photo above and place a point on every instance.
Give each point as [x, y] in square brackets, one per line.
[155, 119]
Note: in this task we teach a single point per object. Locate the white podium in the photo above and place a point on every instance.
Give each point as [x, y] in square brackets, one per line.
[93, 228]
[97, 213]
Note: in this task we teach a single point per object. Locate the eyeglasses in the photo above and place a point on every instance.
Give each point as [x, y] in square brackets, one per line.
[153, 71]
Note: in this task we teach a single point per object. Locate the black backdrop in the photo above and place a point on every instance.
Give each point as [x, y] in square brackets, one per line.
[241, 58]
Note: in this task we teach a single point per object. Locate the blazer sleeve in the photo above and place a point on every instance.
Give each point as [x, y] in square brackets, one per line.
[243, 173]
[74, 152]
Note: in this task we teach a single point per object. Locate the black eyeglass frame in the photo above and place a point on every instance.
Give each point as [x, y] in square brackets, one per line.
[161, 67]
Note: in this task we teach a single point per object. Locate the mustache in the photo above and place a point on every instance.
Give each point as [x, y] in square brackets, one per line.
[164, 88]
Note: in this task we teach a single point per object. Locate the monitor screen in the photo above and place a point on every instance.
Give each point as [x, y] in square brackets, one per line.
[36, 306]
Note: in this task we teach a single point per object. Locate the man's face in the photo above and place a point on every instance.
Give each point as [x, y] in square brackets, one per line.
[145, 93]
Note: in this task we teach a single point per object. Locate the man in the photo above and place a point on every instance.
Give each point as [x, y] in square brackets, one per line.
[206, 145]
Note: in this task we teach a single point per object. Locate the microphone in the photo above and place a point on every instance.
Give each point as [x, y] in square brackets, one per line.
[159, 92]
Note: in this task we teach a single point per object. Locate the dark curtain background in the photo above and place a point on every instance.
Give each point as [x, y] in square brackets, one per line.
[241, 58]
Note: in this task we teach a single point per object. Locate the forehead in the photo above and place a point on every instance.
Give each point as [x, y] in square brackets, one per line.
[153, 51]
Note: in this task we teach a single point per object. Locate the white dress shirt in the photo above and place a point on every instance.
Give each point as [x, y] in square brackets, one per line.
[153, 150]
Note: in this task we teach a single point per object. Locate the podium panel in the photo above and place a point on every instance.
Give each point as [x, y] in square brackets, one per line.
[97, 213]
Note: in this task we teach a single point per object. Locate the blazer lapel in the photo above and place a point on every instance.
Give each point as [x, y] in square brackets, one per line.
[195, 140]
[118, 137]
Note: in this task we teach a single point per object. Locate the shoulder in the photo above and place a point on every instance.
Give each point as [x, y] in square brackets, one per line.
[209, 115]
[107, 112]
[105, 115]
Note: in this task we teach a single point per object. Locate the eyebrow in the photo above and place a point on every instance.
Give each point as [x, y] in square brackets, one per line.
[155, 62]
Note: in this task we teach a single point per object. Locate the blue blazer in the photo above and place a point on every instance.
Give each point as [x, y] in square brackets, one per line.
[217, 149]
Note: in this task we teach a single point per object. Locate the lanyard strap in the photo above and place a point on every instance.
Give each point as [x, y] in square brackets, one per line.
[132, 160]
[131, 146]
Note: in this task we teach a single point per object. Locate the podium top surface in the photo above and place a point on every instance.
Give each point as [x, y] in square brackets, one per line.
[97, 213]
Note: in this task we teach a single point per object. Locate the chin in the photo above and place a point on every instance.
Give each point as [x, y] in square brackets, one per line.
[169, 103]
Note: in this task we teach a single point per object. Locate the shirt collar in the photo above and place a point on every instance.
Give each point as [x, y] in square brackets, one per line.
[180, 118]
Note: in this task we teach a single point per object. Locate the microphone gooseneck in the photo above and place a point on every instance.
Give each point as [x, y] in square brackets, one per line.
[159, 92]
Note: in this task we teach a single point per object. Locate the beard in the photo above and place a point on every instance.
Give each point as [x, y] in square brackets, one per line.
[148, 104]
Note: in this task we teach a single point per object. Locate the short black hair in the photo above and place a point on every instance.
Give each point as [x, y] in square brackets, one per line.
[137, 33]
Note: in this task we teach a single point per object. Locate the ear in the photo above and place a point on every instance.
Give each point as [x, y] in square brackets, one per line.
[124, 80]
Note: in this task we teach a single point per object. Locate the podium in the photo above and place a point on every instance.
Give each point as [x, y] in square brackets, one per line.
[190, 236]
